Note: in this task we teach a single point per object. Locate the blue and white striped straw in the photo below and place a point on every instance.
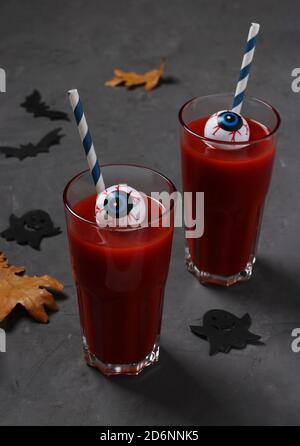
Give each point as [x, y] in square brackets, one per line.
[245, 68]
[86, 139]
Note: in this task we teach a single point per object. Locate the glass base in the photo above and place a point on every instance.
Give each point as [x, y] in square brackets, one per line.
[121, 369]
[205, 277]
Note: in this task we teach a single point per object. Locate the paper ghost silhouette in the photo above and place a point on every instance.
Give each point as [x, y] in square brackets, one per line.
[224, 331]
[30, 229]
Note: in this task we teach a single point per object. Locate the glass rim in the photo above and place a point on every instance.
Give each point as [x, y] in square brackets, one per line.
[185, 125]
[83, 172]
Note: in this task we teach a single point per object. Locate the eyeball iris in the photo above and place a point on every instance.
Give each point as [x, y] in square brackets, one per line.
[118, 204]
[121, 206]
[230, 121]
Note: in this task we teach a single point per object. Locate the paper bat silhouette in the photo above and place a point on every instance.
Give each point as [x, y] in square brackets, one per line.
[33, 104]
[25, 150]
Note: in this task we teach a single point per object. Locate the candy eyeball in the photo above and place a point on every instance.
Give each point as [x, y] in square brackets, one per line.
[228, 126]
[120, 206]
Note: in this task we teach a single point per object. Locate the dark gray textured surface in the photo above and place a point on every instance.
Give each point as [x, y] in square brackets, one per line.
[54, 46]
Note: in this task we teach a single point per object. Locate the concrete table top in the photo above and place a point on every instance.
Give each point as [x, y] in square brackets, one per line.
[54, 46]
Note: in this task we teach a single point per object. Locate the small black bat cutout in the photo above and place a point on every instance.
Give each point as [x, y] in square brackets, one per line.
[30, 229]
[24, 150]
[33, 104]
[224, 331]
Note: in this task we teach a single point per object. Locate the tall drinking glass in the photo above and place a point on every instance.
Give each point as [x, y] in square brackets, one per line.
[235, 179]
[120, 273]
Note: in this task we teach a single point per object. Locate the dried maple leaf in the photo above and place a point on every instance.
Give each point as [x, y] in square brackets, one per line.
[131, 79]
[29, 291]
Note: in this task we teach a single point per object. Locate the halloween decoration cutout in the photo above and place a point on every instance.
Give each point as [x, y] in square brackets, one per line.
[25, 150]
[30, 229]
[34, 104]
[224, 331]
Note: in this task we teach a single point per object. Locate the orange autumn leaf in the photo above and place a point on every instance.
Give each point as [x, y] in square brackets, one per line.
[29, 291]
[131, 79]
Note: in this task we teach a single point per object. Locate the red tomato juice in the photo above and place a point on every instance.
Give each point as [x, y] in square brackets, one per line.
[120, 277]
[235, 183]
